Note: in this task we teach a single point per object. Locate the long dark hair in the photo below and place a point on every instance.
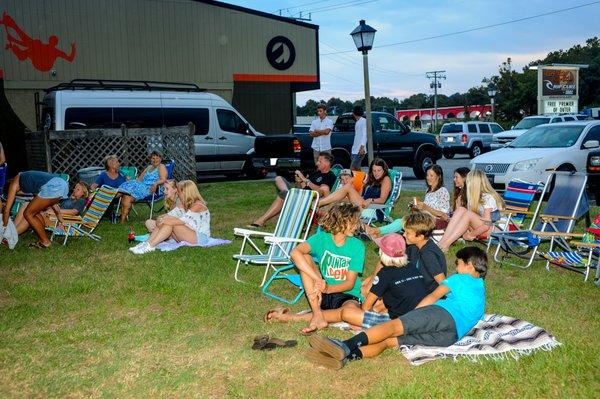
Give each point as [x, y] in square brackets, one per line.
[377, 162]
[460, 191]
[437, 169]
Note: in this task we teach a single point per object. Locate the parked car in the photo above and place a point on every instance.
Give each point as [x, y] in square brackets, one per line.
[392, 140]
[223, 139]
[593, 171]
[473, 138]
[533, 155]
[300, 128]
[501, 139]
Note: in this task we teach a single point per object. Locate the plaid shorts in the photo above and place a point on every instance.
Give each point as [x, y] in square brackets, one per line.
[371, 319]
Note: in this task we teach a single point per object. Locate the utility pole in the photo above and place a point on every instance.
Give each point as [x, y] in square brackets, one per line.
[435, 85]
[508, 61]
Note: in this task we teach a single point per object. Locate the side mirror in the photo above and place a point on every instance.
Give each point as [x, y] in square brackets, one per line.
[591, 144]
[512, 127]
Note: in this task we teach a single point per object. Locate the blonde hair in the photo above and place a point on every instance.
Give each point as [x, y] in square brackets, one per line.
[422, 223]
[340, 218]
[170, 202]
[85, 187]
[108, 159]
[478, 184]
[190, 194]
[398, 261]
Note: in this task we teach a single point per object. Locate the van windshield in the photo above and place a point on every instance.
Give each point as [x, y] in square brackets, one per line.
[551, 136]
[531, 122]
[451, 128]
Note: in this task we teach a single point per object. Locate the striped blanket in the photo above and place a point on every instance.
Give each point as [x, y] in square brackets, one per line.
[496, 337]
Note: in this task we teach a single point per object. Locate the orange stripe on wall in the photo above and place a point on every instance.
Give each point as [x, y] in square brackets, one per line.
[256, 77]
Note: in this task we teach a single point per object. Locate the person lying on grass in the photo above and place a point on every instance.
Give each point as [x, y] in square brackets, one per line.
[398, 283]
[335, 283]
[435, 321]
[192, 227]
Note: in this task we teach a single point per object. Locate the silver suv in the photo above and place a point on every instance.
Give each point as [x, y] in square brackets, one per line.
[471, 138]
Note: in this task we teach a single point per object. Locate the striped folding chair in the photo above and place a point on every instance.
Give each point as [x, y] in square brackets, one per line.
[78, 226]
[369, 215]
[292, 228]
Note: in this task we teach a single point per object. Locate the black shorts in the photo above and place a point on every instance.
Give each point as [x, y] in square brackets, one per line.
[428, 326]
[336, 300]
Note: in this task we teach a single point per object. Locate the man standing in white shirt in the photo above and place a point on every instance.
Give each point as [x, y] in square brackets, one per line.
[320, 131]
[359, 147]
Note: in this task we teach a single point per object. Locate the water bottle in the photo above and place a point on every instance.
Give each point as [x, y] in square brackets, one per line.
[131, 235]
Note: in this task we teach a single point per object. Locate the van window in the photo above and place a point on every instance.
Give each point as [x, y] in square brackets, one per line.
[472, 128]
[86, 118]
[182, 116]
[229, 121]
[484, 128]
[496, 128]
[138, 117]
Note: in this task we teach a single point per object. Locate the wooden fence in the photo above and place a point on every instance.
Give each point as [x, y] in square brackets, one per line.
[71, 150]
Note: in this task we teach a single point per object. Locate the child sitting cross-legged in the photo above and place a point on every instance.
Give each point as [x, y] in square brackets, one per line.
[435, 321]
[333, 284]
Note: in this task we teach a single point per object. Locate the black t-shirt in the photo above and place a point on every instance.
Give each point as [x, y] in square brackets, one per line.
[319, 178]
[402, 288]
[430, 261]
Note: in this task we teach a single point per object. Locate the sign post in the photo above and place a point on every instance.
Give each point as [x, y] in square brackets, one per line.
[558, 88]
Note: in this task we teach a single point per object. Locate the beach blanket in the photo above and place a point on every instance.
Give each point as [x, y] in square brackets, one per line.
[496, 337]
[171, 245]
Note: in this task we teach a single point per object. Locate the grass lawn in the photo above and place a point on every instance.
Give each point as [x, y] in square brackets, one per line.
[93, 320]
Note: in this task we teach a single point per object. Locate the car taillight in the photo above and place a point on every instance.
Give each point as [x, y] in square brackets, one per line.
[463, 138]
[297, 147]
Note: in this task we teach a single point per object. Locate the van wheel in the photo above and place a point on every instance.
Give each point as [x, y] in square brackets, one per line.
[448, 154]
[476, 150]
[423, 161]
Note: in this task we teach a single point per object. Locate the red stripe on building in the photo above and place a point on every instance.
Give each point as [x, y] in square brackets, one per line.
[257, 77]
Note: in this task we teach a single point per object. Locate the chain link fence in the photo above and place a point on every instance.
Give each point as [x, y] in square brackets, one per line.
[71, 150]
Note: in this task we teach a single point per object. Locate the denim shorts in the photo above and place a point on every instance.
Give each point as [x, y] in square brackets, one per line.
[54, 188]
[356, 161]
[371, 319]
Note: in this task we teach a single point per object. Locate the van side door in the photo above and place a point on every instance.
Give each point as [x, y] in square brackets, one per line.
[204, 144]
[235, 139]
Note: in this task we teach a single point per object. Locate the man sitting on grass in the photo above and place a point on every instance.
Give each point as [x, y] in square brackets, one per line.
[435, 321]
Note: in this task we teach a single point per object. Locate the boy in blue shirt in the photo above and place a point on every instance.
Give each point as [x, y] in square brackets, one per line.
[435, 321]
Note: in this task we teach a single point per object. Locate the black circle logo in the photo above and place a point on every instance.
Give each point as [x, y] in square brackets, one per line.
[281, 53]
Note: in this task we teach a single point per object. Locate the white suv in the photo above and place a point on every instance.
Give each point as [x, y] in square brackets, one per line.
[473, 138]
[531, 156]
[501, 139]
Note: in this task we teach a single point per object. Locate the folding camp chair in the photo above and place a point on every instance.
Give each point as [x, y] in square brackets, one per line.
[285, 273]
[370, 214]
[77, 226]
[3, 171]
[566, 204]
[518, 198]
[153, 198]
[294, 222]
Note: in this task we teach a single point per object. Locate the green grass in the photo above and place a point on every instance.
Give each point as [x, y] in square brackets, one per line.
[92, 320]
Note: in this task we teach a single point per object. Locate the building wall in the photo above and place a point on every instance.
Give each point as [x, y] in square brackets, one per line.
[200, 42]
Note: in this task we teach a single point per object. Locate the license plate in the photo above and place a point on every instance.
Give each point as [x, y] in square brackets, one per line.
[490, 178]
[449, 139]
[273, 161]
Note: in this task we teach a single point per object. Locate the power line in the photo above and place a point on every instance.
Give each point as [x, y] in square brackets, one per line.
[476, 28]
[303, 5]
[339, 5]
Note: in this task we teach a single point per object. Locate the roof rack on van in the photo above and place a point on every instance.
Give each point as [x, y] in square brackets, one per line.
[147, 85]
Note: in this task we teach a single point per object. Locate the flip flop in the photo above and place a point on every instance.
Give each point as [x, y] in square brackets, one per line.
[278, 310]
[274, 343]
[37, 245]
[260, 341]
[254, 226]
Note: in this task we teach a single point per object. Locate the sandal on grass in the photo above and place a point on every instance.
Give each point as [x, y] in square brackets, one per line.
[260, 341]
[267, 317]
[38, 245]
[255, 226]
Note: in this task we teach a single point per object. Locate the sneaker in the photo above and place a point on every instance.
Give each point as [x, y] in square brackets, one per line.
[143, 249]
[334, 348]
[323, 359]
[135, 247]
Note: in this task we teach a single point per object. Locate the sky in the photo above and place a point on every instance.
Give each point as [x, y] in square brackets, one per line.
[398, 71]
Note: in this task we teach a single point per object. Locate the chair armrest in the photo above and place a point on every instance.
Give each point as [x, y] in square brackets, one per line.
[379, 206]
[247, 232]
[556, 234]
[514, 212]
[553, 218]
[276, 240]
[585, 244]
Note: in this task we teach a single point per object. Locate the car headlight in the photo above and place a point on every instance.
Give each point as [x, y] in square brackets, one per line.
[526, 165]
[595, 160]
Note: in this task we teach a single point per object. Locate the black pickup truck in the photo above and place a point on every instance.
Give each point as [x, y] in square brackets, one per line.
[392, 140]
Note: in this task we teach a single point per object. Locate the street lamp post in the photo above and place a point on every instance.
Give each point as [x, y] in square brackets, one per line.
[363, 36]
[492, 90]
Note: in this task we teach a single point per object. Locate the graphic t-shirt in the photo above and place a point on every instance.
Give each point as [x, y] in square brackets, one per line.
[430, 261]
[465, 302]
[401, 288]
[336, 261]
[320, 178]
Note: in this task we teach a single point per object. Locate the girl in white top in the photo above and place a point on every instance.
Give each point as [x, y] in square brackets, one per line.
[172, 205]
[483, 206]
[437, 198]
[192, 227]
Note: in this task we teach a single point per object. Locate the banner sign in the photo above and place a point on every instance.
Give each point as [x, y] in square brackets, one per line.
[560, 106]
[559, 82]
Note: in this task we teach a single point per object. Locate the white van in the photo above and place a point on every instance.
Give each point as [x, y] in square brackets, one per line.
[224, 140]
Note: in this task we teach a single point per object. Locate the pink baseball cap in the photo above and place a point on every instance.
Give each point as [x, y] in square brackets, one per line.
[392, 245]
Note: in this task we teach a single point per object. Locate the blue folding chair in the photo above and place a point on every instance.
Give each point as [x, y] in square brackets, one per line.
[294, 279]
[3, 171]
[369, 215]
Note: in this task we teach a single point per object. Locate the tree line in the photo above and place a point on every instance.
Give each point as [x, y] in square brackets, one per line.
[516, 90]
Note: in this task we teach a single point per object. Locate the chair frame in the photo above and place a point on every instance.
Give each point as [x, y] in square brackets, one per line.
[281, 274]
